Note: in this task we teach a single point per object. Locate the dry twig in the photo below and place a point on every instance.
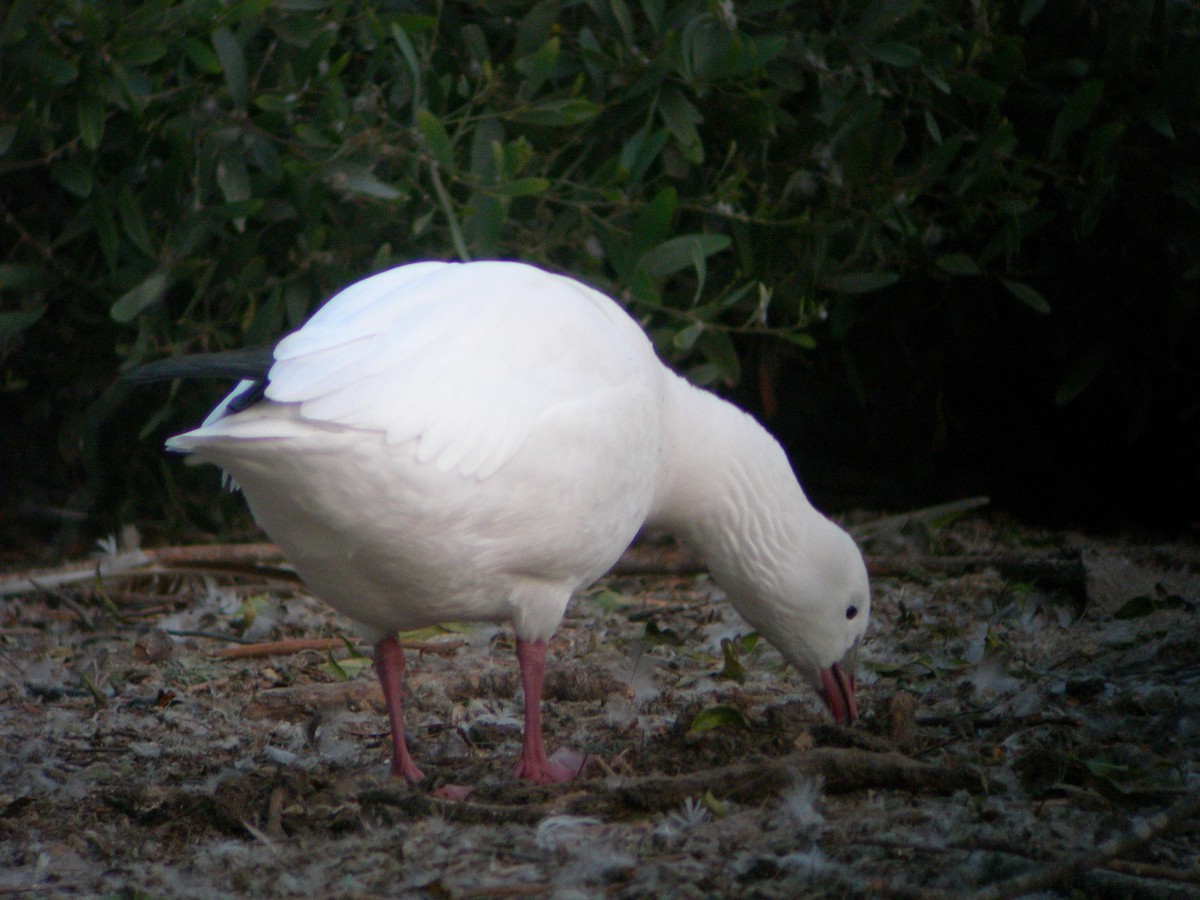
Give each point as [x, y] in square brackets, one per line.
[1060, 570]
[299, 645]
[278, 648]
[929, 514]
[300, 701]
[1139, 832]
[1148, 870]
[843, 769]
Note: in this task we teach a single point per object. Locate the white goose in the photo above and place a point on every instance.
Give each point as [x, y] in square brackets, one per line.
[453, 442]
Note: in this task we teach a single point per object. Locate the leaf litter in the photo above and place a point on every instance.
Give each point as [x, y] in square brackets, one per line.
[1018, 735]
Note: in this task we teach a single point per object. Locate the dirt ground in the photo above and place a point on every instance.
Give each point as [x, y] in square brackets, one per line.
[1030, 721]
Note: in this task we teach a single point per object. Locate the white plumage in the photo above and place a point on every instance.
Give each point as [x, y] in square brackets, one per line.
[477, 441]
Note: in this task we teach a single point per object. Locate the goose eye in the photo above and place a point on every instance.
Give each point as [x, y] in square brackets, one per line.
[851, 612]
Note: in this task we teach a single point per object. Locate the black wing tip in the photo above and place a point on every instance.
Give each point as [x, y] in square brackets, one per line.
[253, 364]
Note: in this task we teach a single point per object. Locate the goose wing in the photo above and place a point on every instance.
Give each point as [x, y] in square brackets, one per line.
[456, 363]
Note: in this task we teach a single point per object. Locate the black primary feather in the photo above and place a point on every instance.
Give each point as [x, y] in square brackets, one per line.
[252, 364]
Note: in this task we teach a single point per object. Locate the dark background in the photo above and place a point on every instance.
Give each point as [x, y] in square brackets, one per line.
[980, 228]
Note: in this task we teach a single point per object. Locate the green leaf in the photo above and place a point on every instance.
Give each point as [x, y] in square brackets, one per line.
[417, 23]
[721, 716]
[620, 12]
[957, 264]
[1031, 297]
[557, 113]
[1101, 146]
[297, 300]
[90, 113]
[717, 347]
[8, 133]
[535, 28]
[654, 221]
[144, 52]
[237, 212]
[936, 79]
[931, 126]
[201, 56]
[699, 49]
[129, 208]
[640, 152]
[16, 22]
[15, 276]
[895, 54]
[801, 339]
[345, 669]
[101, 214]
[271, 103]
[14, 322]
[733, 669]
[72, 176]
[146, 294]
[678, 253]
[484, 223]
[609, 601]
[757, 53]
[522, 187]
[681, 119]
[232, 178]
[1074, 114]
[1144, 605]
[1114, 774]
[233, 64]
[400, 36]
[1087, 369]
[655, 635]
[686, 337]
[246, 9]
[58, 71]
[702, 375]
[361, 180]
[863, 282]
[313, 137]
[1029, 11]
[978, 90]
[1156, 118]
[436, 139]
[476, 43]
[539, 65]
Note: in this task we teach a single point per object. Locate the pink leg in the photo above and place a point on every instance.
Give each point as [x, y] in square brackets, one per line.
[389, 666]
[531, 655]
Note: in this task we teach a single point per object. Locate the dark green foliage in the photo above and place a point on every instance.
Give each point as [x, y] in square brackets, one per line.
[199, 175]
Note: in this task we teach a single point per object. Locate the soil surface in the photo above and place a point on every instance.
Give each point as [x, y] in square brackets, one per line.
[1030, 721]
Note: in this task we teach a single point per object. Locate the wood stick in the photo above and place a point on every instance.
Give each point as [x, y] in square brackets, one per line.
[1149, 870]
[665, 559]
[299, 645]
[278, 648]
[300, 701]
[843, 769]
[524, 889]
[1140, 831]
[928, 514]
[1063, 570]
[1058, 570]
[207, 553]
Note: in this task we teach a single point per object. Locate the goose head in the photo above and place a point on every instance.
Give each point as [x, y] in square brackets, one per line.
[812, 602]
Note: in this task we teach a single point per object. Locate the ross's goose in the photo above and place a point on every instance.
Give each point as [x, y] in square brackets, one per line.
[453, 442]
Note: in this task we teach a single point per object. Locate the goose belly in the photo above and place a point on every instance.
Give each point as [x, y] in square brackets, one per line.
[397, 544]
